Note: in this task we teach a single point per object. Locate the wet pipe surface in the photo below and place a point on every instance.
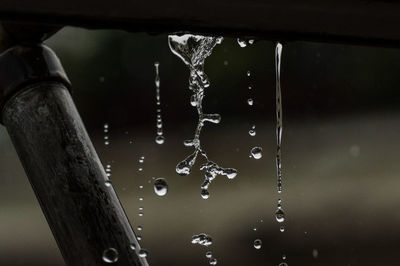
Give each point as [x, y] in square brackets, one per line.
[355, 21]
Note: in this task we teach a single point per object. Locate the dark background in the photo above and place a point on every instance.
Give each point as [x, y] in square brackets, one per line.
[340, 152]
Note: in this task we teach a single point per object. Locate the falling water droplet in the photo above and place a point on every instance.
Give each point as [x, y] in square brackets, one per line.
[160, 187]
[242, 43]
[282, 229]
[205, 194]
[257, 244]
[280, 215]
[250, 101]
[256, 152]
[110, 255]
[160, 139]
[208, 254]
[143, 253]
[213, 261]
[315, 253]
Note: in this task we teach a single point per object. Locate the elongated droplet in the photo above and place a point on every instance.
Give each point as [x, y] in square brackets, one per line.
[257, 244]
[160, 187]
[256, 152]
[143, 253]
[110, 255]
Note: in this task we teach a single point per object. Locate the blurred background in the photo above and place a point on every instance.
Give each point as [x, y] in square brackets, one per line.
[341, 122]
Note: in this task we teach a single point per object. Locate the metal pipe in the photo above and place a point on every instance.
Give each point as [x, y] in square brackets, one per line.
[80, 205]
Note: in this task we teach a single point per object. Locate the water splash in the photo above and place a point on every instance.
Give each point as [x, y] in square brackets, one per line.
[160, 139]
[193, 50]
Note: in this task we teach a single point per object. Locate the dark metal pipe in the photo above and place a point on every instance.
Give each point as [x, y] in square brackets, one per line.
[81, 207]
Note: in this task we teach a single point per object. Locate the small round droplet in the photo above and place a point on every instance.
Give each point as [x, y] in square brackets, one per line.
[248, 73]
[139, 228]
[252, 132]
[209, 254]
[280, 215]
[256, 152]
[108, 183]
[140, 169]
[141, 198]
[242, 43]
[106, 142]
[160, 187]
[141, 208]
[250, 101]
[213, 261]
[257, 244]
[255, 229]
[139, 238]
[143, 253]
[282, 229]
[110, 255]
[160, 139]
[205, 194]
[140, 214]
[132, 246]
[284, 257]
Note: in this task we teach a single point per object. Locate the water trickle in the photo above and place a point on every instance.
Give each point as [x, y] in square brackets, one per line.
[202, 239]
[256, 153]
[143, 253]
[160, 139]
[106, 128]
[110, 255]
[257, 244]
[193, 50]
[278, 57]
[160, 187]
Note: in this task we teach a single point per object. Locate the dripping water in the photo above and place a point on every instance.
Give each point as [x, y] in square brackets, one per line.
[278, 55]
[160, 139]
[193, 50]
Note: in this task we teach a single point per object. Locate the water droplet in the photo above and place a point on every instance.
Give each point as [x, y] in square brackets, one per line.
[251, 41]
[282, 229]
[257, 244]
[140, 169]
[284, 257]
[108, 183]
[280, 215]
[143, 253]
[205, 194]
[250, 101]
[256, 152]
[242, 43]
[141, 198]
[139, 237]
[141, 208]
[248, 73]
[226, 63]
[315, 253]
[209, 254]
[141, 186]
[106, 126]
[255, 229]
[110, 255]
[139, 228]
[213, 261]
[140, 214]
[106, 142]
[252, 132]
[160, 187]
[160, 139]
[202, 239]
[283, 264]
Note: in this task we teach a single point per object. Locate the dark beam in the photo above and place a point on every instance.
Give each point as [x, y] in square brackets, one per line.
[352, 21]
